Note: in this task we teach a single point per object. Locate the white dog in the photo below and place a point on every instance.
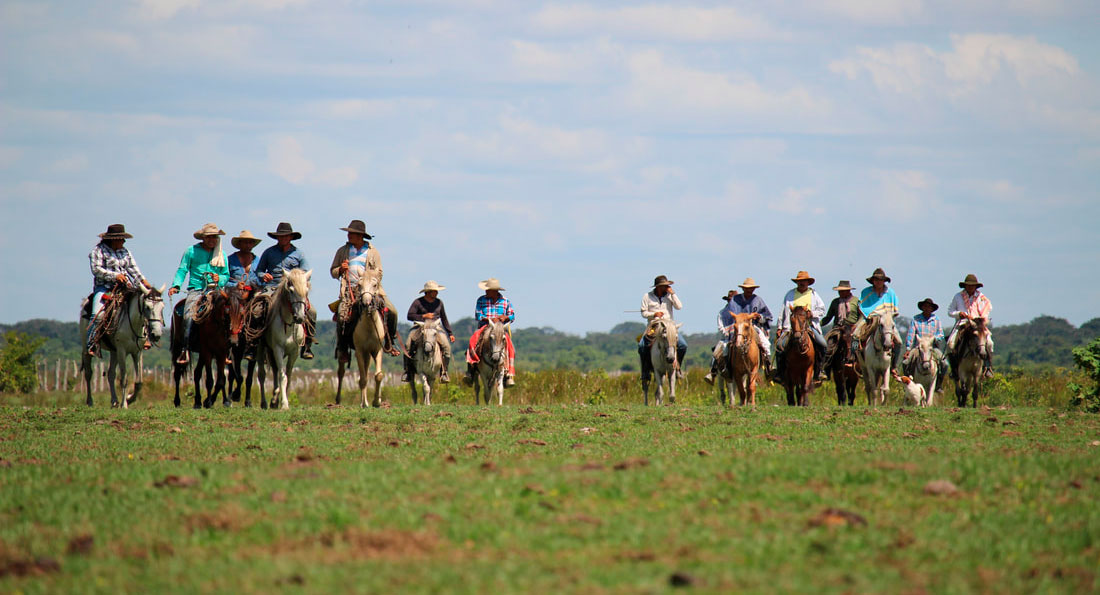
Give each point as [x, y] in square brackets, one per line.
[915, 392]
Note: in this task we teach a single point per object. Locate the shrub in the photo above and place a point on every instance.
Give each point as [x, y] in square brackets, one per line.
[17, 365]
[1087, 359]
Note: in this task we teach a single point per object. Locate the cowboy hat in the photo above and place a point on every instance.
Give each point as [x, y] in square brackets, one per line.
[747, 283]
[661, 280]
[115, 231]
[878, 274]
[246, 236]
[729, 295]
[433, 286]
[357, 226]
[208, 230]
[970, 279]
[284, 229]
[928, 301]
[843, 286]
[803, 276]
[490, 283]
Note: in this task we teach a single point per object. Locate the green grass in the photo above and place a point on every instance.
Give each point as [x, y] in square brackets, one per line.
[466, 499]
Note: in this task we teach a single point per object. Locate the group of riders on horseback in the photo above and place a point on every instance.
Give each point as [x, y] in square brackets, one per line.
[207, 270]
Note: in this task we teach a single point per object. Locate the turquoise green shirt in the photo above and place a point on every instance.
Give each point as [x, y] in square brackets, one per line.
[196, 262]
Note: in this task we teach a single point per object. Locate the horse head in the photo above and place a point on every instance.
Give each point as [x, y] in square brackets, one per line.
[295, 286]
[369, 286]
[924, 349]
[152, 309]
[428, 330]
[742, 329]
[665, 337]
[886, 323]
[493, 338]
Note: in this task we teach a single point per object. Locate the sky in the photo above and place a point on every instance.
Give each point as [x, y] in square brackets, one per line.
[573, 150]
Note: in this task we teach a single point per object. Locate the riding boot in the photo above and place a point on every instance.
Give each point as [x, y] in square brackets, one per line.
[780, 367]
[713, 371]
[409, 371]
[391, 331]
[680, 353]
[769, 373]
[307, 348]
[470, 371]
[953, 361]
[819, 365]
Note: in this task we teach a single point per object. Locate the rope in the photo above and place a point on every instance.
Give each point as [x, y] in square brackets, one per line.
[111, 314]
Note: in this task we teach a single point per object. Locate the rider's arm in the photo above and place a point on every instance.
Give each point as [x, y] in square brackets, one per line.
[675, 301]
[416, 312]
[765, 316]
[443, 318]
[259, 268]
[222, 271]
[97, 262]
[817, 307]
[830, 314]
[337, 260]
[185, 266]
[374, 261]
[508, 311]
[958, 306]
[649, 308]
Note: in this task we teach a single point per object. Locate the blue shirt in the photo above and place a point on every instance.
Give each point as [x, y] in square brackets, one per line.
[273, 261]
[236, 269]
[870, 302]
[486, 308]
[739, 305]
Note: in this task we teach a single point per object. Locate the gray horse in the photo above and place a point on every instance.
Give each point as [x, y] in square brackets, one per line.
[428, 362]
[492, 353]
[141, 318]
[284, 334]
[878, 355]
[662, 353]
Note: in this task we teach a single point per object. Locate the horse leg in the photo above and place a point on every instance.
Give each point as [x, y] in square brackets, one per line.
[379, 377]
[412, 385]
[672, 387]
[86, 366]
[499, 387]
[111, 373]
[284, 380]
[122, 381]
[339, 379]
[645, 391]
[220, 386]
[248, 384]
[139, 377]
[261, 375]
[426, 381]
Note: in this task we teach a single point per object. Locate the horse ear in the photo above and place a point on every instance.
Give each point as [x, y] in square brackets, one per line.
[756, 316]
[679, 324]
[161, 290]
[308, 274]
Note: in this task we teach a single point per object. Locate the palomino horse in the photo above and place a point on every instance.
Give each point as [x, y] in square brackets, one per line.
[662, 354]
[428, 362]
[284, 334]
[210, 322]
[743, 361]
[367, 339]
[798, 378]
[492, 353]
[926, 369]
[878, 355]
[141, 317]
[844, 369]
[972, 349]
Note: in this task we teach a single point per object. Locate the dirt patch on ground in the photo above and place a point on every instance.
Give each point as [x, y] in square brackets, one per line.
[230, 517]
[355, 544]
[16, 563]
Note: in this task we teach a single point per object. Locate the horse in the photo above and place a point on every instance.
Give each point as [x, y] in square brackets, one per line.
[284, 334]
[843, 369]
[878, 356]
[239, 310]
[428, 363]
[662, 355]
[367, 338]
[972, 349]
[742, 367]
[798, 377]
[141, 318]
[492, 353]
[211, 324]
[926, 369]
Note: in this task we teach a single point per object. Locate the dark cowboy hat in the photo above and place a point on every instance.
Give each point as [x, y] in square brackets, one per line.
[357, 226]
[928, 301]
[843, 286]
[878, 274]
[970, 279]
[284, 229]
[803, 276]
[729, 295]
[115, 231]
[661, 280]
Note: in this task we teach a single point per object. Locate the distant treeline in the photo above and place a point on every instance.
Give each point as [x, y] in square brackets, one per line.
[1045, 342]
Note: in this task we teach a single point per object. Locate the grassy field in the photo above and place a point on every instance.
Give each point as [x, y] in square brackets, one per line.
[541, 498]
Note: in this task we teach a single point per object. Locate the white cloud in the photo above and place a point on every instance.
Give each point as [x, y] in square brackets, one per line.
[672, 22]
[582, 63]
[288, 161]
[902, 193]
[794, 202]
[339, 177]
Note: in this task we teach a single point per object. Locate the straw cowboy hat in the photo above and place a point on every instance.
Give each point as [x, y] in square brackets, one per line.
[208, 230]
[661, 280]
[803, 276]
[490, 283]
[433, 286]
[970, 279]
[748, 282]
[928, 301]
[878, 274]
[843, 286]
[246, 236]
[729, 295]
[284, 229]
[115, 231]
[357, 226]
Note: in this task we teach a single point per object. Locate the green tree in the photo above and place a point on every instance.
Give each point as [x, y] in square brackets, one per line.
[1088, 359]
[17, 370]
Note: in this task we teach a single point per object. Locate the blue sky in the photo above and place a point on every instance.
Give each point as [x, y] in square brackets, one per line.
[573, 150]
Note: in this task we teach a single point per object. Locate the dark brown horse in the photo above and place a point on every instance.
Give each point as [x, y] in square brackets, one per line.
[211, 327]
[844, 369]
[798, 378]
[239, 326]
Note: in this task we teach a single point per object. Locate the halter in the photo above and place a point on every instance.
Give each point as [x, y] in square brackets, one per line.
[147, 313]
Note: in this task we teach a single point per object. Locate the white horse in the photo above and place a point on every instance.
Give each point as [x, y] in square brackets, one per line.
[284, 334]
[492, 353]
[972, 349]
[926, 369]
[428, 362]
[878, 357]
[662, 354]
[368, 337]
[141, 318]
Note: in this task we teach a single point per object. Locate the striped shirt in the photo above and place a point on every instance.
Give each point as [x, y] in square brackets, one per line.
[357, 262]
[107, 264]
[922, 327]
[486, 308]
[978, 306]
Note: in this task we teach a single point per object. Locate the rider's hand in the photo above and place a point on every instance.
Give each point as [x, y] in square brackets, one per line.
[240, 285]
[671, 291]
[344, 267]
[173, 290]
[964, 315]
[452, 337]
[266, 277]
[658, 314]
[121, 278]
[429, 316]
[214, 277]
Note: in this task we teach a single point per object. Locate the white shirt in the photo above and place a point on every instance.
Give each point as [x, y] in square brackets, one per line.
[817, 311]
[651, 305]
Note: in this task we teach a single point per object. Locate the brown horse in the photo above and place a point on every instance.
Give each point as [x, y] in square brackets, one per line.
[211, 327]
[799, 354]
[240, 309]
[844, 368]
[743, 360]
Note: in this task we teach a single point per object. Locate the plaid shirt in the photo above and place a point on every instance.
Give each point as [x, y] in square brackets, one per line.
[922, 327]
[107, 264]
[486, 308]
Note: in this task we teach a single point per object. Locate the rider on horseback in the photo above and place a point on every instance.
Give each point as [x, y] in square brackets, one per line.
[111, 264]
[352, 260]
[424, 308]
[925, 324]
[268, 272]
[240, 266]
[202, 263]
[844, 313]
[745, 303]
[970, 304]
[496, 306]
[801, 295]
[660, 303]
[874, 300]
